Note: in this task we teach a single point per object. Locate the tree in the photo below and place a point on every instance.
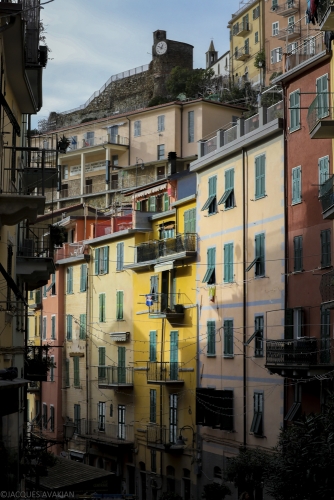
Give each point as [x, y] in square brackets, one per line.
[301, 465]
[191, 82]
[215, 491]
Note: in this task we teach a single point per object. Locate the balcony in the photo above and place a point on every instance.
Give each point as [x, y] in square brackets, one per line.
[243, 28]
[163, 373]
[37, 363]
[115, 376]
[306, 49]
[102, 431]
[290, 33]
[120, 143]
[327, 198]
[167, 305]
[320, 117]
[182, 246]
[34, 258]
[242, 54]
[303, 357]
[33, 387]
[67, 250]
[251, 123]
[164, 438]
[327, 288]
[288, 8]
[326, 15]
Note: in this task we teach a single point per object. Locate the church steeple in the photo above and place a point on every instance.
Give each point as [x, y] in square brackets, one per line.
[211, 55]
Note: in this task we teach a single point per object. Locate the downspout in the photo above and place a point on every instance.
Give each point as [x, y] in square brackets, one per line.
[87, 346]
[244, 305]
[129, 140]
[181, 137]
[286, 243]
[161, 393]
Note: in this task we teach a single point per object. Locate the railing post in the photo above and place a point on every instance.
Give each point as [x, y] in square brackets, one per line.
[263, 112]
[240, 127]
[200, 148]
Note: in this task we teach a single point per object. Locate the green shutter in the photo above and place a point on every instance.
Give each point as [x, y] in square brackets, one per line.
[69, 275]
[325, 238]
[138, 206]
[102, 307]
[288, 324]
[213, 186]
[294, 111]
[69, 327]
[211, 337]
[260, 166]
[76, 378]
[153, 345]
[82, 331]
[298, 253]
[174, 351]
[228, 337]
[259, 255]
[119, 304]
[102, 362]
[152, 204]
[186, 221]
[83, 277]
[323, 169]
[228, 262]
[53, 327]
[97, 261]
[211, 263]
[67, 372]
[105, 259]
[190, 221]
[153, 405]
[229, 179]
[322, 97]
[166, 202]
[121, 365]
[296, 185]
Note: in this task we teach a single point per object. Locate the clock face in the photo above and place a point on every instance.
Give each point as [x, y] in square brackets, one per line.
[161, 48]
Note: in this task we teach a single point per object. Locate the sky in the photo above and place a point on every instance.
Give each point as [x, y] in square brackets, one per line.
[93, 40]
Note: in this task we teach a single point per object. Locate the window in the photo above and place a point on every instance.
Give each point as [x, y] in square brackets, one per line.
[113, 134]
[228, 196]
[228, 338]
[210, 275]
[44, 291]
[325, 237]
[153, 405]
[153, 465]
[323, 166]
[65, 172]
[293, 323]
[161, 151]
[83, 277]
[256, 37]
[296, 185]
[211, 335]
[153, 345]
[52, 368]
[256, 12]
[89, 139]
[101, 260]
[291, 24]
[53, 284]
[260, 176]
[120, 256]
[152, 204]
[257, 423]
[296, 405]
[77, 418]
[259, 261]
[246, 49]
[44, 328]
[67, 373]
[82, 328]
[166, 202]
[121, 422]
[292, 47]
[173, 418]
[102, 363]
[161, 123]
[211, 202]
[45, 416]
[52, 418]
[322, 96]
[53, 327]
[298, 253]
[190, 220]
[276, 55]
[228, 263]
[274, 4]
[154, 287]
[101, 416]
[167, 230]
[294, 105]
[76, 372]
[69, 280]
[69, 327]
[191, 126]
[325, 352]
[258, 327]
[114, 160]
[102, 307]
[119, 304]
[137, 128]
[174, 354]
[275, 28]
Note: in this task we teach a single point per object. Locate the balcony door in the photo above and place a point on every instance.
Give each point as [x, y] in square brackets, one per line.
[101, 416]
[164, 290]
[121, 421]
[113, 133]
[121, 365]
[174, 348]
[172, 418]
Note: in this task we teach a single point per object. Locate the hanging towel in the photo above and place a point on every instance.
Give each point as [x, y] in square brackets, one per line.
[212, 293]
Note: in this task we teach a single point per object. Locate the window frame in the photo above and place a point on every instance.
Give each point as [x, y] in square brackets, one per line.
[120, 256]
[294, 107]
[298, 254]
[257, 422]
[119, 305]
[260, 176]
[275, 28]
[258, 338]
[173, 403]
[160, 152]
[137, 128]
[161, 123]
[326, 244]
[211, 203]
[296, 188]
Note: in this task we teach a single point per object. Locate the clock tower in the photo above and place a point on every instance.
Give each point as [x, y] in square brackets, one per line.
[166, 55]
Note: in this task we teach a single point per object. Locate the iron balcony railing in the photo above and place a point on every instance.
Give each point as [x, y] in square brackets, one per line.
[242, 53]
[115, 375]
[37, 363]
[163, 436]
[35, 241]
[292, 31]
[154, 250]
[327, 287]
[307, 48]
[320, 109]
[243, 27]
[105, 431]
[327, 194]
[287, 7]
[305, 351]
[168, 305]
[163, 371]
[322, 8]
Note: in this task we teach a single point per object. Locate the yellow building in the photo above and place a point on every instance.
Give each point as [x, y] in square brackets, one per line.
[240, 289]
[165, 329]
[246, 41]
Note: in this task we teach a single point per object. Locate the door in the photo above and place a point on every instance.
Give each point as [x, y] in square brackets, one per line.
[102, 416]
[174, 354]
[173, 418]
[121, 422]
[164, 290]
[113, 133]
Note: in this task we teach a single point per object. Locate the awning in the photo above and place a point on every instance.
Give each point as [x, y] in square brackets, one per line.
[152, 190]
[119, 336]
[164, 266]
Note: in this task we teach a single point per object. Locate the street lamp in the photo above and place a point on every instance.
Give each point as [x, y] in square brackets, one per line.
[180, 440]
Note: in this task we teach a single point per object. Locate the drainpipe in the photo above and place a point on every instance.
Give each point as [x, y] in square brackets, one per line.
[161, 392]
[181, 138]
[286, 244]
[87, 346]
[129, 140]
[244, 305]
